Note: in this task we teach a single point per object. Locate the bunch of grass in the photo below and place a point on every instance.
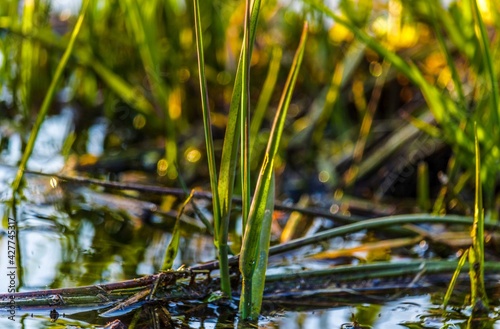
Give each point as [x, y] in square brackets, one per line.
[454, 111]
[257, 210]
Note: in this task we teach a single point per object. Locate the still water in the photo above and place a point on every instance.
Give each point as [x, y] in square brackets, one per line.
[73, 235]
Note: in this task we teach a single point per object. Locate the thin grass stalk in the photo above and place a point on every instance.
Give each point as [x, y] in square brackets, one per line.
[220, 237]
[479, 297]
[245, 117]
[173, 246]
[255, 247]
[376, 270]
[370, 224]
[380, 223]
[454, 278]
[318, 118]
[332, 96]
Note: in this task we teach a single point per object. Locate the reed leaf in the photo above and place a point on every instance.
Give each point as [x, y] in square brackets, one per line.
[454, 278]
[245, 118]
[220, 236]
[479, 297]
[229, 155]
[232, 135]
[253, 245]
[173, 246]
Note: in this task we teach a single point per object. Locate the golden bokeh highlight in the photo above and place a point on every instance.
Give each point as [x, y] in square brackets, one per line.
[162, 167]
[324, 176]
[192, 154]
[339, 33]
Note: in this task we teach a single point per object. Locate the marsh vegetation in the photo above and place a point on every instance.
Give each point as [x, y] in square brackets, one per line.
[250, 161]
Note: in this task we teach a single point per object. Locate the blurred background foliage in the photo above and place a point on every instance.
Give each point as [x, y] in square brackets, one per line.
[361, 130]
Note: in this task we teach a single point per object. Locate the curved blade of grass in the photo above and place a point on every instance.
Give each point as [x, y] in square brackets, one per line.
[173, 246]
[370, 224]
[253, 246]
[381, 223]
[220, 237]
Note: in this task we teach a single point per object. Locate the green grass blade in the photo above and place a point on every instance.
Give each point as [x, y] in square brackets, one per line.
[251, 250]
[454, 278]
[245, 118]
[479, 298]
[230, 148]
[232, 136]
[259, 275]
[48, 97]
[173, 246]
[220, 237]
